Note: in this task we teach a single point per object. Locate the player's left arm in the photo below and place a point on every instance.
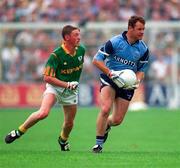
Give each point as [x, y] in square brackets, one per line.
[142, 67]
[140, 76]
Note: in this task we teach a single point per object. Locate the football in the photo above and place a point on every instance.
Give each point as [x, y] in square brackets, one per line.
[126, 78]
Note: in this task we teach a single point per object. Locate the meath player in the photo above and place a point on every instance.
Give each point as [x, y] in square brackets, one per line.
[61, 74]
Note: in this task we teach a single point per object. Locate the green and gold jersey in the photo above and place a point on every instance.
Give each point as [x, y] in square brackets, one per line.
[64, 66]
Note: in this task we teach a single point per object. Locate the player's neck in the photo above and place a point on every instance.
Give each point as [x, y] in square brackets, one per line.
[69, 48]
[130, 39]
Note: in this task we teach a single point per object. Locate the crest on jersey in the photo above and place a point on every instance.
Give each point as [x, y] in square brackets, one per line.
[65, 63]
[80, 58]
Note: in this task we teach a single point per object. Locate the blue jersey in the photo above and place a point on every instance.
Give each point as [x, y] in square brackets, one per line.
[118, 54]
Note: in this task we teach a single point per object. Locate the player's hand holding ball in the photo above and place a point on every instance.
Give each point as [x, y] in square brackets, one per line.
[72, 85]
[115, 76]
[125, 79]
[134, 86]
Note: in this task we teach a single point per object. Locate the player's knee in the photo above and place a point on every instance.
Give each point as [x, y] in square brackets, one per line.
[42, 114]
[105, 110]
[117, 121]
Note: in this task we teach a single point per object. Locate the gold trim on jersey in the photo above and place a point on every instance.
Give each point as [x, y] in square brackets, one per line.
[49, 71]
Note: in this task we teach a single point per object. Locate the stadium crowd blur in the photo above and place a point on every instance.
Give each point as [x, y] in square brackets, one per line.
[24, 52]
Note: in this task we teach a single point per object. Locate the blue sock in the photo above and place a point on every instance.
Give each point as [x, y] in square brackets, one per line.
[99, 140]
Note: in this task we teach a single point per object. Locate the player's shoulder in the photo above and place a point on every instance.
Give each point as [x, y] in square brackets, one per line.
[143, 45]
[116, 40]
[57, 50]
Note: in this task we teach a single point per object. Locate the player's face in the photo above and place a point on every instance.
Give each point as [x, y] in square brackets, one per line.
[74, 37]
[138, 31]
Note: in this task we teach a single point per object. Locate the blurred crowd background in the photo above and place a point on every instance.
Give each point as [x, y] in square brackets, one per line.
[24, 52]
[91, 10]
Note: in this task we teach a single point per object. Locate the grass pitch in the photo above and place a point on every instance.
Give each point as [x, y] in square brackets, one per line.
[146, 139]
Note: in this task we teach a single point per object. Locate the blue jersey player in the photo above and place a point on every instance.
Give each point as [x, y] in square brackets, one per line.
[124, 51]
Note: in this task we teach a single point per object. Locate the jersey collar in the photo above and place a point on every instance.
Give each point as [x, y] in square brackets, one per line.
[125, 37]
[66, 50]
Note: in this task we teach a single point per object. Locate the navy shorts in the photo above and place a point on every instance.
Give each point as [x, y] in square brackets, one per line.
[120, 92]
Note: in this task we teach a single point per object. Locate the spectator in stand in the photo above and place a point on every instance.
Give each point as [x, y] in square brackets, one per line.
[159, 67]
[12, 75]
[10, 54]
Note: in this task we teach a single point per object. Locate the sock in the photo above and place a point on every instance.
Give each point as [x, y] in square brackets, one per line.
[99, 140]
[19, 133]
[62, 138]
[21, 130]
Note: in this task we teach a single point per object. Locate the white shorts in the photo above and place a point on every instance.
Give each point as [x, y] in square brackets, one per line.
[64, 96]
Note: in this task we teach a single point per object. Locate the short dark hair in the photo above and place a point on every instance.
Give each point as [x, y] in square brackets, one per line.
[67, 30]
[134, 19]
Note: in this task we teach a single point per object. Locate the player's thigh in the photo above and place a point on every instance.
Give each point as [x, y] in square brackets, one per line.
[69, 112]
[107, 96]
[120, 107]
[48, 101]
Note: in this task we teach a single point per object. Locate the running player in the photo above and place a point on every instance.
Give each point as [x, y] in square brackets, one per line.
[124, 51]
[61, 73]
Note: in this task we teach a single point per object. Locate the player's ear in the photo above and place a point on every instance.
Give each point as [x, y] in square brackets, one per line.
[130, 27]
[66, 37]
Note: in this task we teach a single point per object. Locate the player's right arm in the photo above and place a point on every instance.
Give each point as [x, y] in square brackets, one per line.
[54, 81]
[101, 55]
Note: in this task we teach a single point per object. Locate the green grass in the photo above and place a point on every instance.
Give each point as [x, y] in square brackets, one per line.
[146, 139]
